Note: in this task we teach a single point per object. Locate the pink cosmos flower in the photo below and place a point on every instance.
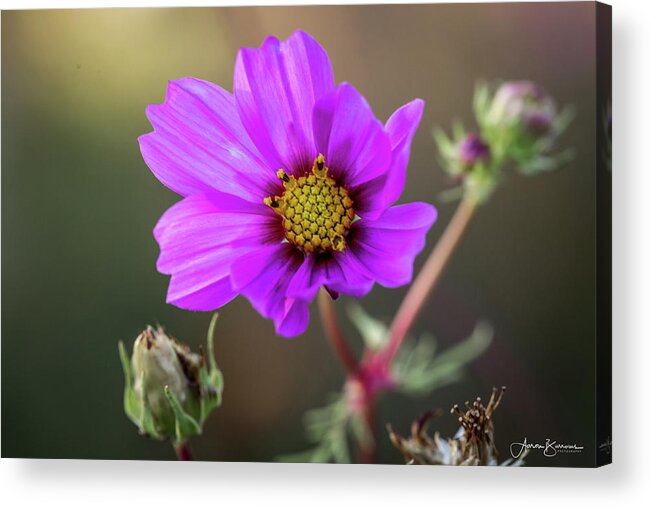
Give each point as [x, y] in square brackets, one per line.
[288, 186]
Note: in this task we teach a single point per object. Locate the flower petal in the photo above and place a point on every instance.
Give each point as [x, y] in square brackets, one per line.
[401, 128]
[308, 279]
[353, 141]
[296, 317]
[377, 195]
[276, 87]
[340, 273]
[264, 278]
[200, 237]
[208, 298]
[199, 144]
[249, 266]
[388, 246]
[346, 275]
[369, 199]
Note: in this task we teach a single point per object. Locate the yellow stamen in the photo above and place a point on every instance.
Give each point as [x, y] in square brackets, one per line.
[317, 213]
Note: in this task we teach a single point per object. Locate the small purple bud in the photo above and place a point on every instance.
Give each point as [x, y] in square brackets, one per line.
[472, 150]
[538, 123]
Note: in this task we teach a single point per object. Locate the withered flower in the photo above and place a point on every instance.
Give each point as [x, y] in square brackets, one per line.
[473, 444]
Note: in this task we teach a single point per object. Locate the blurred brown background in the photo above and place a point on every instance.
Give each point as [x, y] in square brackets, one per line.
[79, 205]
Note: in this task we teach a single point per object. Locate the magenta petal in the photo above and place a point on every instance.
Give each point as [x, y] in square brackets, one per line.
[401, 128]
[248, 267]
[296, 316]
[353, 141]
[340, 273]
[208, 298]
[199, 143]
[388, 246]
[276, 87]
[377, 195]
[199, 239]
[346, 275]
[308, 279]
[202, 224]
[369, 199]
[266, 288]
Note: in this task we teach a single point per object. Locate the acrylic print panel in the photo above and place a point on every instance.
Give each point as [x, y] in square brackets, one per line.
[392, 219]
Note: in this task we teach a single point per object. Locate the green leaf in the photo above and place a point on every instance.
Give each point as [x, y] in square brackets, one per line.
[211, 342]
[374, 332]
[146, 421]
[469, 349]
[458, 132]
[328, 429]
[211, 397]
[132, 405]
[215, 374]
[419, 370]
[481, 102]
[211, 378]
[443, 143]
[186, 426]
[564, 119]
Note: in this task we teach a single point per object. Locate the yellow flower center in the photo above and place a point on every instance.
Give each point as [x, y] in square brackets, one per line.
[317, 213]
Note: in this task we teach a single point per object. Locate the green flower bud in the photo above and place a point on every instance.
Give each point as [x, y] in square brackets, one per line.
[522, 124]
[169, 390]
[157, 364]
[468, 158]
[525, 104]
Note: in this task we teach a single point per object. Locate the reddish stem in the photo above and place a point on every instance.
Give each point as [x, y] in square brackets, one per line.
[334, 333]
[367, 450]
[183, 452]
[427, 278]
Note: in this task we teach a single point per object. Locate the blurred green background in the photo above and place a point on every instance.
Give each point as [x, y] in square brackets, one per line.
[79, 205]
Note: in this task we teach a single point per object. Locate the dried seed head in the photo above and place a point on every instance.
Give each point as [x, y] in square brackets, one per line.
[474, 446]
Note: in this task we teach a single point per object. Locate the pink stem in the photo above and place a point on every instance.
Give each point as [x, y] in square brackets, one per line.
[183, 452]
[367, 450]
[427, 278]
[334, 333]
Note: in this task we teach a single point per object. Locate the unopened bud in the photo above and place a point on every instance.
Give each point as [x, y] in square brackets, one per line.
[524, 105]
[169, 389]
[473, 150]
[159, 361]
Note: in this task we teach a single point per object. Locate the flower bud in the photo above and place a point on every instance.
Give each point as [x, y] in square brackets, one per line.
[160, 362]
[473, 150]
[525, 105]
[169, 390]
[521, 123]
